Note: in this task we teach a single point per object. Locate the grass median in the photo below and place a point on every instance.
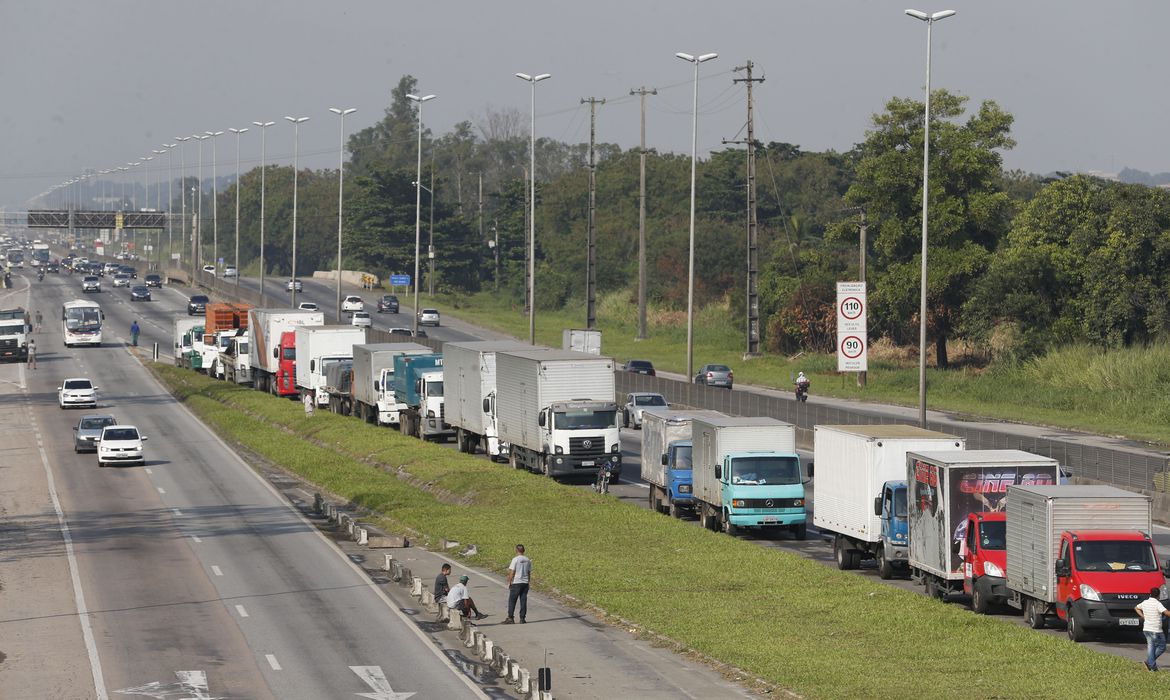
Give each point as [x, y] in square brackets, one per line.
[792, 622]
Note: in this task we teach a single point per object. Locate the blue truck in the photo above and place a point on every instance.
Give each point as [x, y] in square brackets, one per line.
[418, 389]
[666, 458]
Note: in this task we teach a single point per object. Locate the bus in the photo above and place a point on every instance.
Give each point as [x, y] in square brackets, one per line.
[40, 254]
[81, 323]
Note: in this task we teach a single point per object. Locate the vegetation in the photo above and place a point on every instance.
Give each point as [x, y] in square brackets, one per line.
[782, 618]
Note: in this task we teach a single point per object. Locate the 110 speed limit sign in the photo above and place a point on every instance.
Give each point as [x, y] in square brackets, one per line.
[852, 340]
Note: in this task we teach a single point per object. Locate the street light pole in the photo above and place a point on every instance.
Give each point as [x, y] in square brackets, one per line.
[296, 122]
[533, 79]
[696, 60]
[418, 202]
[263, 168]
[170, 201]
[930, 20]
[340, 186]
[183, 197]
[237, 132]
[214, 202]
[199, 203]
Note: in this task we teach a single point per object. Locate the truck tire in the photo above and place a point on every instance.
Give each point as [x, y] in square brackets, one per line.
[800, 531]
[726, 524]
[885, 566]
[705, 517]
[1034, 614]
[1076, 626]
[979, 599]
[654, 503]
[846, 558]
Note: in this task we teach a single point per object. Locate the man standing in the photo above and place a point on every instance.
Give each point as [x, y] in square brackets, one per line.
[32, 353]
[310, 404]
[459, 599]
[518, 572]
[1151, 611]
[134, 334]
[441, 586]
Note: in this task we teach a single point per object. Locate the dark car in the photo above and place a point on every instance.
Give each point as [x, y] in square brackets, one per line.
[53, 267]
[388, 303]
[640, 367]
[140, 292]
[153, 280]
[127, 270]
[197, 304]
[715, 375]
[408, 332]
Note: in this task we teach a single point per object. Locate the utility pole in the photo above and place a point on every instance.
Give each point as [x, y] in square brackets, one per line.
[753, 270]
[529, 263]
[642, 92]
[483, 240]
[496, 249]
[431, 245]
[863, 233]
[591, 239]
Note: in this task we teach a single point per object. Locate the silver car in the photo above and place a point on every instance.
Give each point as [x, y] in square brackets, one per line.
[715, 375]
[638, 400]
[88, 430]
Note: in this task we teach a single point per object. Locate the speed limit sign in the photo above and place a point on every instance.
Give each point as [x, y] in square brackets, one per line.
[852, 339]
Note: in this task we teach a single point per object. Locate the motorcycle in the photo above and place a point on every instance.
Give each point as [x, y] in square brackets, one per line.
[802, 391]
[603, 477]
[40, 275]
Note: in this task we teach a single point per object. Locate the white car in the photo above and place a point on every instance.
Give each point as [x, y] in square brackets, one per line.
[77, 391]
[120, 444]
[362, 319]
[635, 402]
[229, 271]
[209, 269]
[121, 280]
[300, 286]
[428, 317]
[352, 303]
[308, 306]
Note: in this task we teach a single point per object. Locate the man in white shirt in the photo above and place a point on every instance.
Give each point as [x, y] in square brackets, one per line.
[518, 572]
[459, 599]
[1151, 611]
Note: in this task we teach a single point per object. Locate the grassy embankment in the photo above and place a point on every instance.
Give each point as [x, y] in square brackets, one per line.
[1118, 392]
[792, 622]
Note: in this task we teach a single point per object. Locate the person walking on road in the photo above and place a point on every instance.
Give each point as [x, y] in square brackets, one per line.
[1151, 611]
[39, 319]
[32, 353]
[134, 334]
[518, 573]
[459, 599]
[442, 588]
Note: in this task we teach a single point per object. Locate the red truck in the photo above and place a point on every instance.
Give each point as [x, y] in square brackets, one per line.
[273, 350]
[984, 552]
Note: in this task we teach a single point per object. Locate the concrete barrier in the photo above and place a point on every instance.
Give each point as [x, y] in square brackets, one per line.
[389, 563]
[489, 650]
[362, 536]
[444, 613]
[524, 684]
[513, 671]
[455, 622]
[481, 642]
[416, 587]
[376, 539]
[318, 503]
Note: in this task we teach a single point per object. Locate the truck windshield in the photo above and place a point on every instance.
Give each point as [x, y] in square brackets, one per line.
[759, 471]
[9, 328]
[682, 457]
[993, 535]
[1115, 555]
[435, 388]
[585, 419]
[290, 353]
[327, 362]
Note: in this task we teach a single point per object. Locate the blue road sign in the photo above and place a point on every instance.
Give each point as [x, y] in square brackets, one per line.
[400, 280]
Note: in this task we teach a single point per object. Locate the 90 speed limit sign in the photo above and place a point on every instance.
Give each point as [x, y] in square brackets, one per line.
[852, 339]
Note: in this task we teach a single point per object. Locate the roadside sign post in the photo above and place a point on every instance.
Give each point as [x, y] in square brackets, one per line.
[852, 336]
[400, 281]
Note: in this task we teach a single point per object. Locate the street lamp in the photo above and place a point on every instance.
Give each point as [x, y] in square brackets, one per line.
[214, 202]
[418, 202]
[237, 132]
[296, 122]
[199, 201]
[431, 244]
[696, 60]
[340, 185]
[170, 201]
[533, 79]
[930, 20]
[158, 200]
[263, 154]
[146, 197]
[183, 198]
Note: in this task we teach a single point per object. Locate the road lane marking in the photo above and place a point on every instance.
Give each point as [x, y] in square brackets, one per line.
[149, 470]
[160, 489]
[192, 684]
[374, 677]
[177, 512]
[240, 610]
[273, 662]
[216, 570]
[196, 539]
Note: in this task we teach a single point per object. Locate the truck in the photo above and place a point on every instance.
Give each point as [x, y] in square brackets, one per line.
[221, 322]
[234, 359]
[373, 380]
[557, 412]
[666, 458]
[747, 474]
[339, 386]
[184, 336]
[272, 352]
[418, 388]
[581, 340]
[945, 487]
[861, 489]
[15, 331]
[318, 347]
[1083, 553]
[469, 388]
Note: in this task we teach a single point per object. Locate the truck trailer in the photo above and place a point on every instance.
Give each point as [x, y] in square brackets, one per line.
[469, 388]
[666, 458]
[272, 352]
[318, 347]
[373, 380]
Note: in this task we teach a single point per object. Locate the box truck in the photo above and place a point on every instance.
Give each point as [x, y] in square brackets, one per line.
[339, 386]
[747, 474]
[1083, 553]
[666, 458]
[318, 347]
[272, 352]
[861, 489]
[373, 380]
[418, 388]
[186, 329]
[556, 410]
[469, 388]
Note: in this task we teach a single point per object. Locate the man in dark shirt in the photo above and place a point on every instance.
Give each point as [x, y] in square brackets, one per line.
[441, 586]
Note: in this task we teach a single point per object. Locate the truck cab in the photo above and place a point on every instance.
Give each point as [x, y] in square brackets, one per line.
[895, 532]
[1101, 575]
[14, 334]
[319, 368]
[234, 359]
[284, 382]
[984, 552]
[494, 447]
[581, 435]
[763, 489]
[680, 473]
[428, 386]
[192, 348]
[387, 404]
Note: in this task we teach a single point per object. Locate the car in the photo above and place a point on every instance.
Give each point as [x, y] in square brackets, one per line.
[53, 267]
[294, 283]
[408, 332]
[230, 271]
[77, 391]
[89, 429]
[153, 280]
[209, 269]
[121, 280]
[428, 317]
[110, 268]
[640, 367]
[197, 304]
[308, 306]
[635, 402]
[715, 375]
[140, 292]
[361, 319]
[120, 444]
[352, 303]
[127, 270]
[90, 283]
[388, 303]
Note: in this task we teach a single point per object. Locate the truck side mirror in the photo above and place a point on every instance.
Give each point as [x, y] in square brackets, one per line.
[810, 470]
[487, 405]
[312, 365]
[877, 506]
[1062, 569]
[540, 420]
[664, 464]
[718, 472]
[955, 547]
[276, 353]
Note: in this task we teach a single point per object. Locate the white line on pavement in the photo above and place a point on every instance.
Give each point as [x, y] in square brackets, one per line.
[177, 512]
[160, 489]
[196, 539]
[273, 662]
[216, 570]
[149, 470]
[241, 611]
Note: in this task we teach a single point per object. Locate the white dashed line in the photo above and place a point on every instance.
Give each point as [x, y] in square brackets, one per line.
[216, 570]
[273, 662]
[240, 611]
[176, 511]
[196, 539]
[160, 489]
[149, 470]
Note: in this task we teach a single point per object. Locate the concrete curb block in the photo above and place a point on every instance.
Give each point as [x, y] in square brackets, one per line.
[361, 536]
[524, 684]
[318, 503]
[416, 587]
[444, 613]
[455, 623]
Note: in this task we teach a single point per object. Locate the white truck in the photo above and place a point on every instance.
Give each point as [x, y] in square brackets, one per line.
[184, 337]
[233, 362]
[861, 489]
[581, 340]
[272, 352]
[556, 410]
[318, 347]
[747, 474]
[373, 380]
[666, 457]
[469, 387]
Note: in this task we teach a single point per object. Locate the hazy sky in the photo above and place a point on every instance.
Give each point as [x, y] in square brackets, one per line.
[96, 84]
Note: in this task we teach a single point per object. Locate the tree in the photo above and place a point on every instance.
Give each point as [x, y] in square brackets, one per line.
[393, 141]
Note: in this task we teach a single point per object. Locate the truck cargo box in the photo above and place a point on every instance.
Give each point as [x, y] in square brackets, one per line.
[370, 359]
[469, 376]
[660, 427]
[267, 326]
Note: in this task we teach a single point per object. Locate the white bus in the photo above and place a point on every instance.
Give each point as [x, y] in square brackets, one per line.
[81, 322]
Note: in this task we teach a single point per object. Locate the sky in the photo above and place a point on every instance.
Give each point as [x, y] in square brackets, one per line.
[94, 85]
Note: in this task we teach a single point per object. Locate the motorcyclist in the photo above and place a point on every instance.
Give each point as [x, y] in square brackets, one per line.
[604, 476]
[40, 275]
[802, 384]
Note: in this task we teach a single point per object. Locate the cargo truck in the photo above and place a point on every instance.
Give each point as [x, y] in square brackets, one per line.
[221, 322]
[861, 489]
[338, 385]
[14, 334]
[272, 352]
[666, 458]
[1083, 553]
[945, 488]
[234, 358]
[318, 347]
[184, 335]
[373, 380]
[556, 410]
[747, 474]
[469, 388]
[418, 388]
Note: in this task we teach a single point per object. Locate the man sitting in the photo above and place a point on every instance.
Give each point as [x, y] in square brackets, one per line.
[459, 599]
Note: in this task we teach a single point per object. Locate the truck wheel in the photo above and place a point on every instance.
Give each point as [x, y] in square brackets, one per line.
[885, 566]
[673, 509]
[705, 517]
[728, 527]
[800, 531]
[844, 556]
[979, 599]
[1034, 614]
[1076, 626]
[654, 504]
